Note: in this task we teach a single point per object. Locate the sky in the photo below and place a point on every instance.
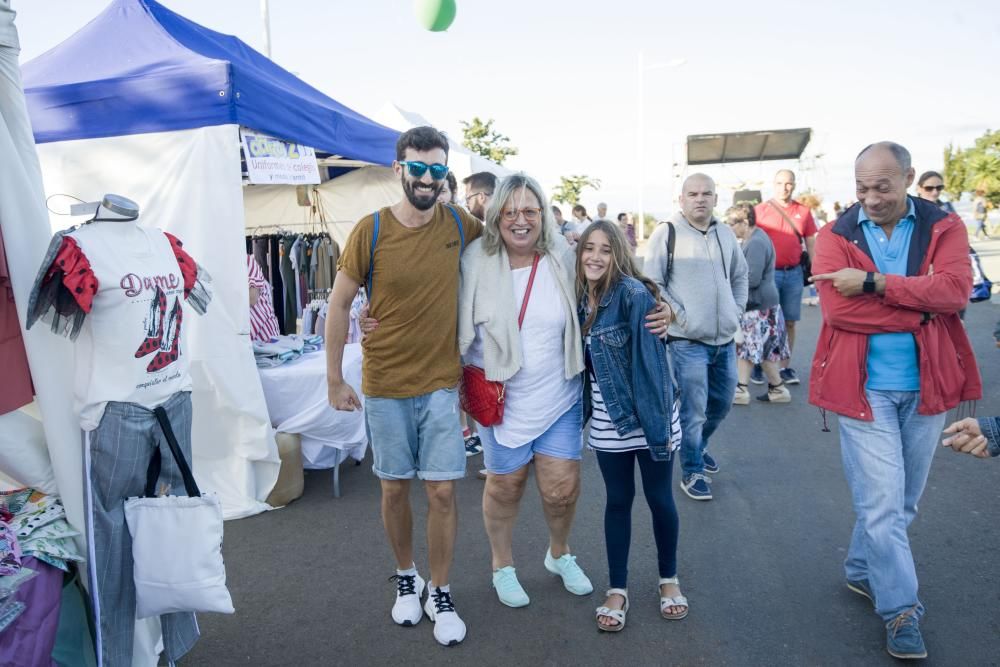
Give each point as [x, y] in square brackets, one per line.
[560, 77]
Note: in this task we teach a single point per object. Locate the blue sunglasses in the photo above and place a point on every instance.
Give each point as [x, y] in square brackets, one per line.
[418, 169]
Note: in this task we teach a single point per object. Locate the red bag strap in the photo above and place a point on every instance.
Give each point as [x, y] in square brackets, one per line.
[527, 292]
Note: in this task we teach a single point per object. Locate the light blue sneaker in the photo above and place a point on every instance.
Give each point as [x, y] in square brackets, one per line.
[575, 581]
[509, 588]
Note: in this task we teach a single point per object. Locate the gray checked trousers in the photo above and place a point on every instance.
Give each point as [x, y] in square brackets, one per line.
[117, 454]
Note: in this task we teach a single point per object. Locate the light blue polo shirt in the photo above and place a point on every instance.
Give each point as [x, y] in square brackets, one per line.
[892, 357]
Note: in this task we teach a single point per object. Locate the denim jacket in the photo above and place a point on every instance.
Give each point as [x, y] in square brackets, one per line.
[631, 366]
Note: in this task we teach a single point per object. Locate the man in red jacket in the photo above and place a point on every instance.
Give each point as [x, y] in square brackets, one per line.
[891, 360]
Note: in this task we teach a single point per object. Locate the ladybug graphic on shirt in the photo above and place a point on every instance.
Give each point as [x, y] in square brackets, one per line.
[163, 332]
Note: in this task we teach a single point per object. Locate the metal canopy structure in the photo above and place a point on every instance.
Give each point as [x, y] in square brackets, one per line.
[747, 146]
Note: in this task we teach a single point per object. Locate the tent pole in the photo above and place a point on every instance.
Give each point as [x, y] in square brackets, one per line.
[265, 17]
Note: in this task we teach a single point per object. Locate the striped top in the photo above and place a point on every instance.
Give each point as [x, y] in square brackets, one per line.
[263, 322]
[603, 435]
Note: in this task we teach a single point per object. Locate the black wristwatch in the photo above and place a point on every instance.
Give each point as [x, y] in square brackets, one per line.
[869, 285]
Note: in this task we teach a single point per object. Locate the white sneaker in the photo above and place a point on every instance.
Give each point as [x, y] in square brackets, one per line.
[409, 588]
[449, 629]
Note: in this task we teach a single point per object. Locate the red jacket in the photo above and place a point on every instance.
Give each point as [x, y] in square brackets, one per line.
[948, 371]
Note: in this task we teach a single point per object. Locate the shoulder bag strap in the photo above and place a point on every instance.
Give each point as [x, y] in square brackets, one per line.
[153, 472]
[787, 219]
[371, 258]
[527, 292]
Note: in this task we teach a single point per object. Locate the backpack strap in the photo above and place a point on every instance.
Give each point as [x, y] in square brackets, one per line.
[371, 254]
[461, 231]
[671, 243]
[371, 258]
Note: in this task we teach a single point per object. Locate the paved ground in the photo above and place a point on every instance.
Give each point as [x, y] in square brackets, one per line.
[761, 564]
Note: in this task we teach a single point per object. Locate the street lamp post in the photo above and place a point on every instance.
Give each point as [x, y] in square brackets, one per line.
[640, 134]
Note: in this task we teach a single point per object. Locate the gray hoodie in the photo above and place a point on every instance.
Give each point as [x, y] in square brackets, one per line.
[707, 287]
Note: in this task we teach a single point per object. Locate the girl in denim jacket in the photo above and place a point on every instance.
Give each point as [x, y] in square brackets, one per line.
[629, 398]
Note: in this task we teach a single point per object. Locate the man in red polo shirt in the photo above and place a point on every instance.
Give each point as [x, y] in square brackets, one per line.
[788, 223]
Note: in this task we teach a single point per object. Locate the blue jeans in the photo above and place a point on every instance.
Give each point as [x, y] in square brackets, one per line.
[789, 284]
[416, 437]
[886, 462]
[706, 378]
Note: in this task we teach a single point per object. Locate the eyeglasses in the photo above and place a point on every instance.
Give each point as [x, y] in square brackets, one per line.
[478, 194]
[733, 223]
[530, 214]
[939, 188]
[418, 169]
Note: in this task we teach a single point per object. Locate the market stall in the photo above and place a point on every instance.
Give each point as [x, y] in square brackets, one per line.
[145, 103]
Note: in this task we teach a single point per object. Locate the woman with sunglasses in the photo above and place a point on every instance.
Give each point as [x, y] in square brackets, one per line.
[929, 187]
[517, 321]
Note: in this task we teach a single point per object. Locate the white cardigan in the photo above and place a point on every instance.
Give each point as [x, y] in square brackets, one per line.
[486, 299]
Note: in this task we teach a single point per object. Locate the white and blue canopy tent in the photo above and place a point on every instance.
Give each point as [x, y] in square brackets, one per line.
[147, 104]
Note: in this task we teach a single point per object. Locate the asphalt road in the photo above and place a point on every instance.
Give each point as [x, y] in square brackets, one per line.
[761, 564]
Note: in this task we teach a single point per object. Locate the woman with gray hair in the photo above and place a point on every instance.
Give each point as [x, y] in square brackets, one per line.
[522, 264]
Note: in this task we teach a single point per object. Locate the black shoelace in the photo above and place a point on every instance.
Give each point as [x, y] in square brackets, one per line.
[442, 601]
[406, 584]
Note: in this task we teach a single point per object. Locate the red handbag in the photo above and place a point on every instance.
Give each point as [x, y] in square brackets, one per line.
[481, 398]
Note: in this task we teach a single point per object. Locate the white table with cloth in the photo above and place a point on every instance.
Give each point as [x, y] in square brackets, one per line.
[296, 396]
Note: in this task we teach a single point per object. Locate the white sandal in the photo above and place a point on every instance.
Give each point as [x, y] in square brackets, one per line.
[667, 602]
[614, 614]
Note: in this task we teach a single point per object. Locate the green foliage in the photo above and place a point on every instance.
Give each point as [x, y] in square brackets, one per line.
[480, 138]
[974, 168]
[571, 187]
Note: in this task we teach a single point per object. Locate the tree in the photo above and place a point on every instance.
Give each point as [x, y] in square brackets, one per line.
[480, 138]
[571, 187]
[975, 168]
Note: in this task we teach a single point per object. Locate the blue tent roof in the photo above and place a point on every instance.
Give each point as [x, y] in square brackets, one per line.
[139, 67]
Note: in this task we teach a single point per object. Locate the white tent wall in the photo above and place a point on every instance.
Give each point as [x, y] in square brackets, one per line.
[343, 200]
[187, 182]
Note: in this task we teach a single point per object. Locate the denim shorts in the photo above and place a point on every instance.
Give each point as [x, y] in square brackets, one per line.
[416, 437]
[562, 440]
[789, 284]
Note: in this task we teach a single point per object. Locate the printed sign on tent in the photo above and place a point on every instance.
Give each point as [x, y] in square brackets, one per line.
[273, 161]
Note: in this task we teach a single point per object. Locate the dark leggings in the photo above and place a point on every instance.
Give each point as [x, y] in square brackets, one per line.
[618, 470]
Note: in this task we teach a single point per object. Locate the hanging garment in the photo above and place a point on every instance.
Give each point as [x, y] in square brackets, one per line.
[277, 286]
[16, 389]
[120, 287]
[260, 250]
[116, 454]
[290, 282]
[263, 323]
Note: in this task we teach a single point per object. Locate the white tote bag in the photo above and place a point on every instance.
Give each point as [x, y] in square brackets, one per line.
[176, 543]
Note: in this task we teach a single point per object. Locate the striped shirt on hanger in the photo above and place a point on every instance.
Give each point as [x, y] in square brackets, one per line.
[263, 322]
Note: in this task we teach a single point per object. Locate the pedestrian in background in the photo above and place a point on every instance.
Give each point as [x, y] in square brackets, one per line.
[764, 341]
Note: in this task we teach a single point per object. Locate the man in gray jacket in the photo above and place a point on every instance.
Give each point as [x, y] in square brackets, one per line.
[704, 280]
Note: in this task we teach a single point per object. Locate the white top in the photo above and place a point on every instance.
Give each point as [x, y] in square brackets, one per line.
[129, 347]
[538, 394]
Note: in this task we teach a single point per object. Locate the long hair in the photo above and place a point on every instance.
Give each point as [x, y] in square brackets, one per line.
[622, 264]
[506, 189]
